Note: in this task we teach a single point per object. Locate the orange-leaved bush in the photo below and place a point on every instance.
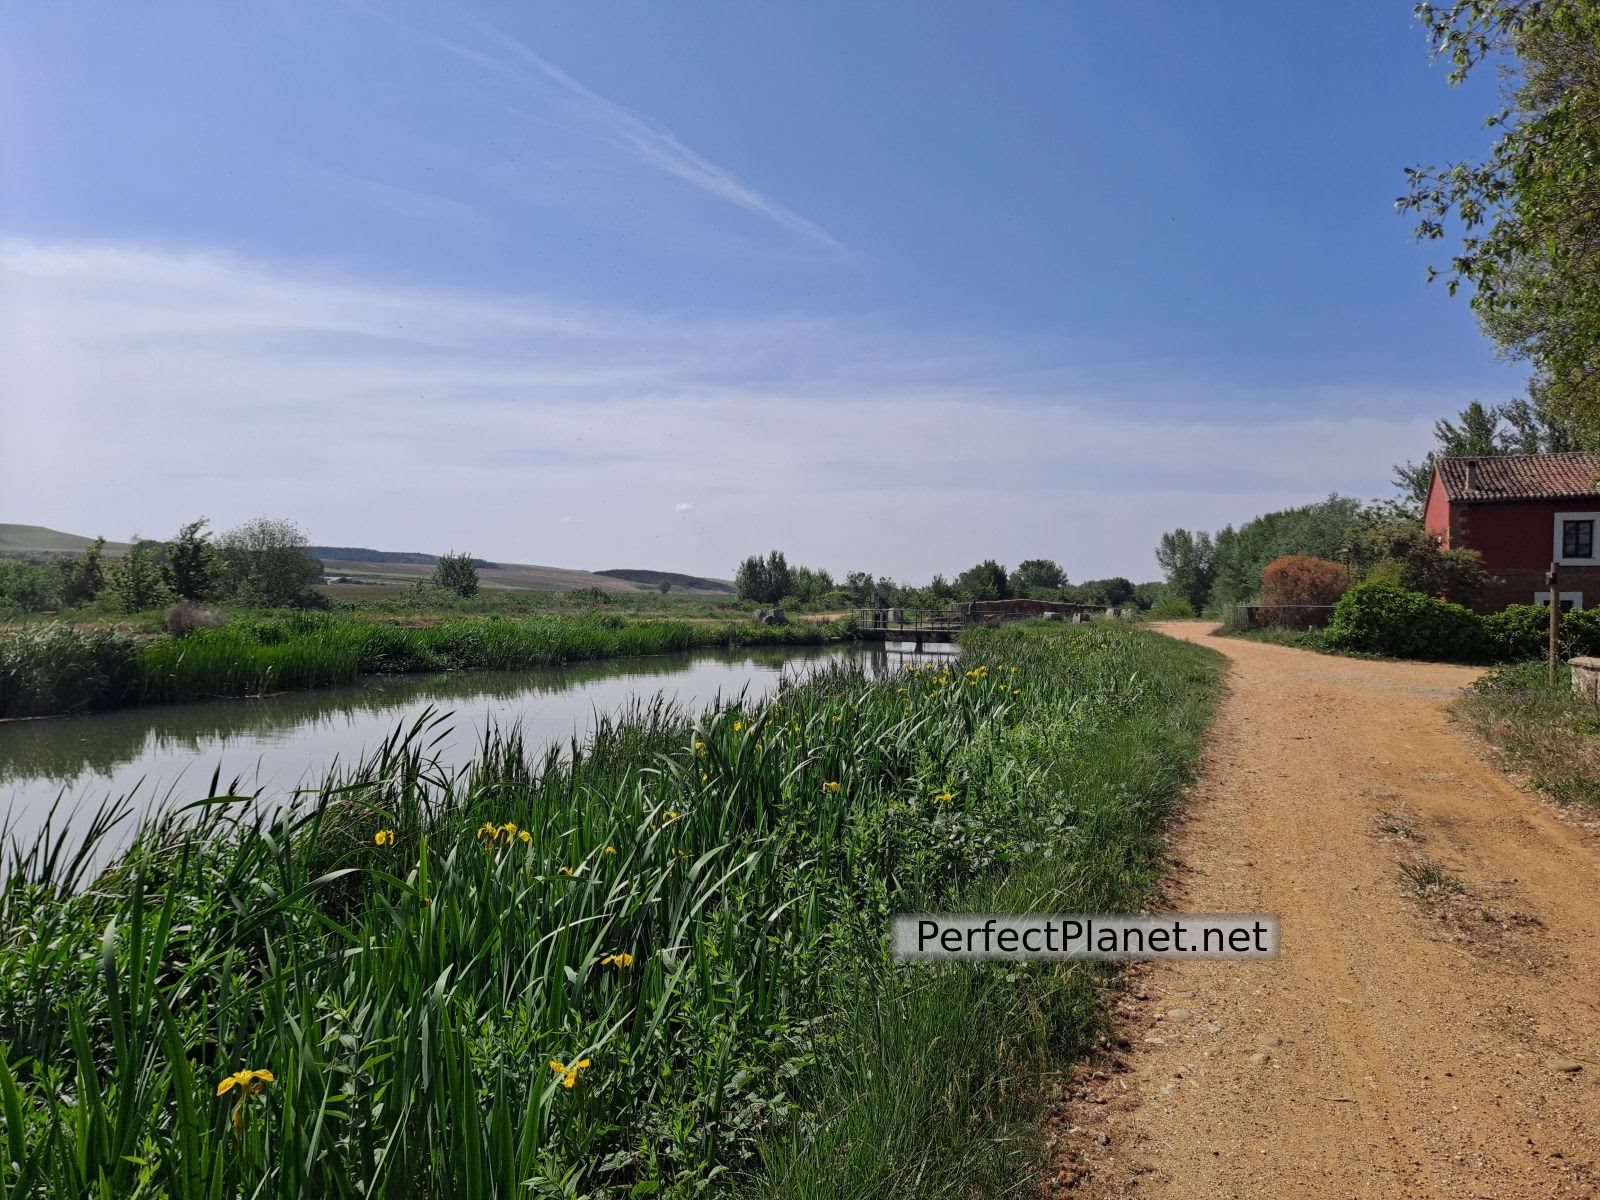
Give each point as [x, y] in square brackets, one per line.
[1302, 579]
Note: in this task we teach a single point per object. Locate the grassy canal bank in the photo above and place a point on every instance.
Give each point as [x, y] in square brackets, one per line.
[59, 668]
[656, 967]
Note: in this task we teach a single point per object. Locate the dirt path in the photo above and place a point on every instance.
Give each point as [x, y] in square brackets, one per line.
[1415, 1038]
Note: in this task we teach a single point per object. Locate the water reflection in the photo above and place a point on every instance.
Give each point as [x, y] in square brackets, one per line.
[280, 742]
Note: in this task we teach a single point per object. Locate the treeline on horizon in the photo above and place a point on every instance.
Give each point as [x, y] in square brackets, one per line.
[1345, 541]
[265, 563]
[771, 579]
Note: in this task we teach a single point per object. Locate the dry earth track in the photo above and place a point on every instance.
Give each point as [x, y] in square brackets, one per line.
[1413, 1039]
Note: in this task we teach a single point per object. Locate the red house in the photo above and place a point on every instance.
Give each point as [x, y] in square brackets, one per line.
[1522, 512]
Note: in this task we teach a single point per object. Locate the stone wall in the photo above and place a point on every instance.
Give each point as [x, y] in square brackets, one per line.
[1586, 679]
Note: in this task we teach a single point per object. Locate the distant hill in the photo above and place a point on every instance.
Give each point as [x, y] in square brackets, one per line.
[361, 564]
[36, 541]
[687, 583]
[362, 554]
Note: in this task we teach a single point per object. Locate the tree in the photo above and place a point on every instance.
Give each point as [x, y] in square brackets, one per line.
[1528, 224]
[1403, 554]
[1108, 593]
[1148, 595]
[193, 568]
[809, 585]
[456, 573]
[1037, 574]
[1238, 555]
[1186, 559]
[139, 582]
[268, 561]
[1483, 431]
[83, 577]
[986, 581]
[664, 586]
[764, 580]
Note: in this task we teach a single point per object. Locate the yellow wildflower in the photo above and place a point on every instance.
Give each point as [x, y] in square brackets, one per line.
[564, 871]
[700, 748]
[670, 816]
[944, 797]
[624, 959]
[525, 836]
[250, 1081]
[611, 849]
[569, 1075]
[738, 726]
[830, 786]
[384, 837]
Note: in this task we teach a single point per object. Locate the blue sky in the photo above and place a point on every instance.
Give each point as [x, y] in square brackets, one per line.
[661, 285]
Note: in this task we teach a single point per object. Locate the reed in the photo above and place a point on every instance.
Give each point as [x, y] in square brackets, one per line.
[58, 669]
[650, 964]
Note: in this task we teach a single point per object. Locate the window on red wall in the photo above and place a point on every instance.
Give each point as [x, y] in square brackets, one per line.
[1577, 539]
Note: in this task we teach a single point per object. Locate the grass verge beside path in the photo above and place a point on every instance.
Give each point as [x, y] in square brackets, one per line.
[1546, 734]
[46, 669]
[655, 966]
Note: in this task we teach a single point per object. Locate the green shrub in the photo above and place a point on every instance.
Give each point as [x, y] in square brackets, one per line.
[27, 587]
[1170, 608]
[1380, 619]
[1580, 632]
[55, 668]
[1520, 632]
[457, 573]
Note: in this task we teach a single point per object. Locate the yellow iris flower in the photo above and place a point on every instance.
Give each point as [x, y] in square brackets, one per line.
[569, 1075]
[250, 1081]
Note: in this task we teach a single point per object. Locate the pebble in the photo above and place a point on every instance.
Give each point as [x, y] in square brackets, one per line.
[1268, 1039]
[1260, 1060]
[1177, 1014]
[1211, 1027]
[1564, 1064]
[1155, 1041]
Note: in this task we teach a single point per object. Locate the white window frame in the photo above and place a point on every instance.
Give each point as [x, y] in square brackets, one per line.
[1573, 598]
[1594, 558]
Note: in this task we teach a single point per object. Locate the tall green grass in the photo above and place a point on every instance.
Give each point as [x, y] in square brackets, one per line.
[409, 996]
[57, 669]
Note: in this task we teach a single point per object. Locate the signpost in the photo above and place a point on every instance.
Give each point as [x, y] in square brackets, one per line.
[1554, 585]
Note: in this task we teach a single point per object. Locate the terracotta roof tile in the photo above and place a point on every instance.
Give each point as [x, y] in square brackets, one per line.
[1520, 476]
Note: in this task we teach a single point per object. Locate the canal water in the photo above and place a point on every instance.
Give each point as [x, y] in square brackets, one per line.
[167, 754]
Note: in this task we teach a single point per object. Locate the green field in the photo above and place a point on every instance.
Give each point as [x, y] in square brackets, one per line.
[655, 968]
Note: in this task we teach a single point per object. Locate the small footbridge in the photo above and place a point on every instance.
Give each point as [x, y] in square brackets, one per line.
[922, 626]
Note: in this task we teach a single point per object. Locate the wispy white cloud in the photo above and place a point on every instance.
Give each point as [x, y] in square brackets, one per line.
[538, 81]
[141, 387]
[683, 508]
